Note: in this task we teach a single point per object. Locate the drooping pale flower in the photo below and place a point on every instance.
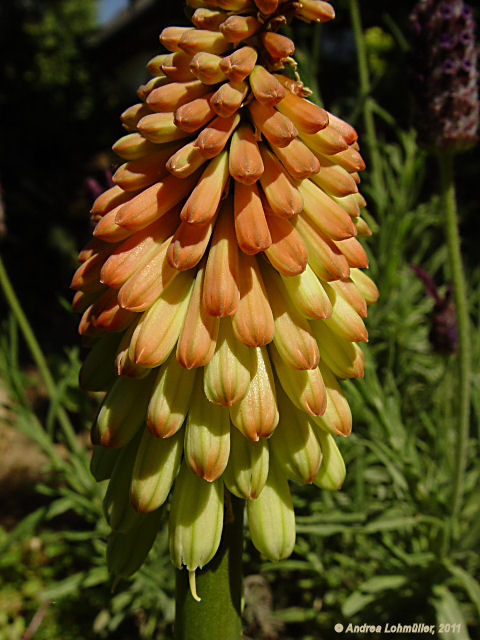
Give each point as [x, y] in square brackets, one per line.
[223, 293]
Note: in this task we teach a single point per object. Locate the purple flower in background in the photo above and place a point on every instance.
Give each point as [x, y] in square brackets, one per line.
[445, 76]
[443, 334]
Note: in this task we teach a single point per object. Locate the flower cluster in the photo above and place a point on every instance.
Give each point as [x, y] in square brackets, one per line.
[223, 293]
[444, 60]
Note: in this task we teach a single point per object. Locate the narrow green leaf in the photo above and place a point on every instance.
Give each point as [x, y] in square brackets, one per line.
[450, 621]
[468, 582]
[355, 603]
[381, 583]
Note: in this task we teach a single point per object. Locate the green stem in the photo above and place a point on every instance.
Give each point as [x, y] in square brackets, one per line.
[37, 356]
[366, 99]
[219, 585]
[445, 161]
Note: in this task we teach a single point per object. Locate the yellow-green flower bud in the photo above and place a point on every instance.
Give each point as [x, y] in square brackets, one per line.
[122, 412]
[207, 437]
[156, 464]
[118, 510]
[247, 469]
[196, 520]
[294, 444]
[332, 470]
[271, 518]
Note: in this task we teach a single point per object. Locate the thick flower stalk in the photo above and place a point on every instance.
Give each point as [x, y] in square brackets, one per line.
[223, 294]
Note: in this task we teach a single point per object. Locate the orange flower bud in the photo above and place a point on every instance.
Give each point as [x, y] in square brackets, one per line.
[279, 47]
[253, 320]
[282, 195]
[253, 234]
[265, 86]
[206, 67]
[221, 294]
[213, 138]
[194, 115]
[239, 64]
[277, 128]
[245, 161]
[287, 253]
[238, 28]
[176, 66]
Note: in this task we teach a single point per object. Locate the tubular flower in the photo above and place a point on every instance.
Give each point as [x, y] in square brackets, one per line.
[222, 293]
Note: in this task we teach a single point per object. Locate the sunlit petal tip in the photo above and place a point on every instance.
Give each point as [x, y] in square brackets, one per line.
[316, 10]
[197, 40]
[142, 288]
[215, 136]
[308, 295]
[265, 86]
[347, 289]
[170, 37]
[278, 46]
[154, 202]
[110, 199]
[239, 64]
[108, 315]
[298, 160]
[173, 95]
[137, 249]
[133, 146]
[287, 252]
[238, 28]
[210, 19]
[207, 68]
[144, 90]
[158, 328]
[160, 128]
[306, 116]
[337, 417]
[189, 244]
[324, 213]
[176, 67]
[229, 98]
[195, 114]
[363, 230]
[185, 161]
[365, 285]
[324, 257]
[131, 116]
[346, 130]
[353, 252]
